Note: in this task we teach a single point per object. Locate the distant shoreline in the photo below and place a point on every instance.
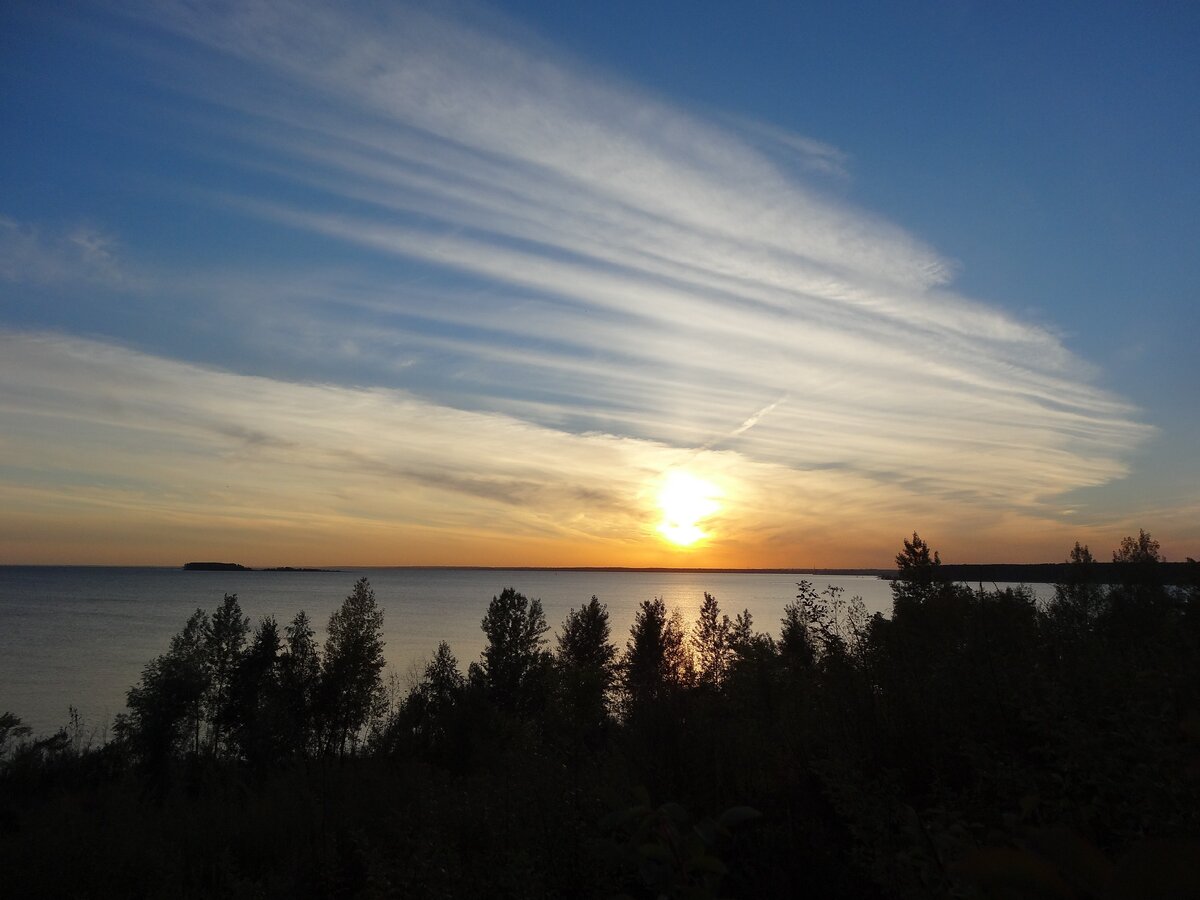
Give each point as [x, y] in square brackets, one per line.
[691, 570]
[1171, 573]
[968, 573]
[238, 567]
[686, 570]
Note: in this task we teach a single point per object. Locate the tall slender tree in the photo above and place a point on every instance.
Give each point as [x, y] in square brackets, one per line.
[352, 681]
[167, 706]
[710, 643]
[224, 641]
[258, 722]
[300, 687]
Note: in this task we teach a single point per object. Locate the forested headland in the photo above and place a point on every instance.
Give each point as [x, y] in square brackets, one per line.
[976, 743]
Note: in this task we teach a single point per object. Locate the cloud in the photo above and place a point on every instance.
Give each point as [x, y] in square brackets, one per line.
[196, 460]
[92, 427]
[78, 256]
[808, 154]
[535, 288]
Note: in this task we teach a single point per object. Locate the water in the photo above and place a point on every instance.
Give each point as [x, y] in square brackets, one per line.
[79, 636]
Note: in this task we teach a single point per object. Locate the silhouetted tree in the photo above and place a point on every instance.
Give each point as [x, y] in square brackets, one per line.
[797, 646]
[259, 724]
[299, 687]
[1078, 600]
[514, 664]
[657, 661]
[586, 661]
[747, 644]
[442, 681]
[224, 640]
[187, 673]
[917, 577]
[1138, 551]
[741, 632]
[166, 708]
[753, 665]
[351, 680]
[710, 643]
[428, 710]
[1137, 559]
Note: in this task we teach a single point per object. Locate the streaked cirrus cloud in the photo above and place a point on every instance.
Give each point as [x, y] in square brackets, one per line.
[539, 289]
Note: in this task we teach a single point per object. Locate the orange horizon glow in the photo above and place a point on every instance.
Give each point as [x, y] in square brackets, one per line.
[88, 537]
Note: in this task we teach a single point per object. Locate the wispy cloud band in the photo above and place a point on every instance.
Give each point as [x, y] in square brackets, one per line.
[512, 236]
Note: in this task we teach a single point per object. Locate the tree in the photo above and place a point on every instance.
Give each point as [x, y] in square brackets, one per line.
[657, 661]
[917, 576]
[1082, 558]
[299, 686]
[513, 665]
[753, 658]
[1140, 550]
[258, 724]
[1139, 602]
[795, 643]
[586, 660]
[710, 643]
[352, 683]
[1078, 600]
[744, 642]
[426, 713]
[442, 682]
[820, 626]
[166, 708]
[223, 642]
[1137, 559]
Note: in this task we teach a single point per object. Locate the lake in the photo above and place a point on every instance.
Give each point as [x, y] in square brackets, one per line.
[79, 636]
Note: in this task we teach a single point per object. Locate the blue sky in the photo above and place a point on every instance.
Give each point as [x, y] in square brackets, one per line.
[294, 283]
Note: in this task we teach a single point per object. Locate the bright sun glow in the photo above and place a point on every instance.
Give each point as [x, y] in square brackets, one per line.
[686, 501]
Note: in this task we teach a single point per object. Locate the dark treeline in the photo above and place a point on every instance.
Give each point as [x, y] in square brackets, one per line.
[1178, 573]
[976, 743]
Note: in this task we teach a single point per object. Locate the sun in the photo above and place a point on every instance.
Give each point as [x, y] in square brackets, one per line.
[686, 501]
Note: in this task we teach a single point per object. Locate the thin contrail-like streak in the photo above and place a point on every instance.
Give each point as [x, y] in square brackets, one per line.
[745, 426]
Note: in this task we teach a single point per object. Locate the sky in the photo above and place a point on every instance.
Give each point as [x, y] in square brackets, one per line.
[625, 284]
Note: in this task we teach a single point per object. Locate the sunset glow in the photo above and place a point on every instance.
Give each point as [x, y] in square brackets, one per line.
[686, 503]
[329, 284]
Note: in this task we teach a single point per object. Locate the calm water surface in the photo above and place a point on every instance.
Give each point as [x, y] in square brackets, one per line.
[79, 636]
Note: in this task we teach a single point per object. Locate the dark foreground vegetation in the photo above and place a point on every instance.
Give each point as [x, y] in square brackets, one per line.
[977, 743]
